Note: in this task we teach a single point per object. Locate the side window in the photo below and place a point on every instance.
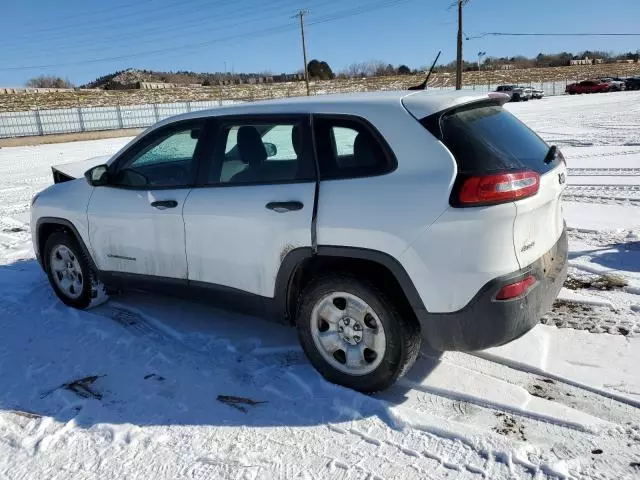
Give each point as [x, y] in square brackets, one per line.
[345, 139]
[260, 153]
[348, 148]
[165, 160]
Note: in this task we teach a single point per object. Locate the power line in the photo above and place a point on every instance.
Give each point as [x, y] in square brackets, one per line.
[564, 34]
[153, 35]
[258, 33]
[357, 11]
[138, 17]
[208, 24]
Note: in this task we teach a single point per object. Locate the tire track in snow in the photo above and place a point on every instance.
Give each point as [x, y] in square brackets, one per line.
[433, 453]
[428, 453]
[607, 154]
[604, 172]
[599, 199]
[632, 190]
[606, 194]
[439, 452]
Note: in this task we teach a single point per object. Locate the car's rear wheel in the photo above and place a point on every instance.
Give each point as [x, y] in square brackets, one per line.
[70, 273]
[353, 334]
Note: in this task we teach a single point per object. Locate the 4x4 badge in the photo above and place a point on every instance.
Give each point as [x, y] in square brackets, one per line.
[562, 178]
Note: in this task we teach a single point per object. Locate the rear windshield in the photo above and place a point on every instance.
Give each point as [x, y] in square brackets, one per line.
[485, 138]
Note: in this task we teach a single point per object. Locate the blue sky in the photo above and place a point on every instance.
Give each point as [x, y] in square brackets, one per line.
[79, 39]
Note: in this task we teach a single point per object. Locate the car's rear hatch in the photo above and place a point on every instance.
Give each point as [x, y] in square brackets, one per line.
[499, 160]
[539, 221]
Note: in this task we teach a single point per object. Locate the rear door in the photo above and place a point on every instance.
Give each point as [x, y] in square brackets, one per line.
[497, 142]
[253, 203]
[135, 223]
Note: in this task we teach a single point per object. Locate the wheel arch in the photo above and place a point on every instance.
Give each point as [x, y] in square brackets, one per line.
[301, 265]
[46, 226]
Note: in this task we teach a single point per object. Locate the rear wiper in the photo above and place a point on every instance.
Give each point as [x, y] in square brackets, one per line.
[551, 154]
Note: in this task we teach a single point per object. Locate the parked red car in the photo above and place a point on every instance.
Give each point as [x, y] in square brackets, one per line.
[588, 86]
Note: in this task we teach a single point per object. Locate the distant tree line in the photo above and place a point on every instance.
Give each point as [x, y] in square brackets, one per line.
[375, 68]
[49, 81]
[541, 60]
[321, 70]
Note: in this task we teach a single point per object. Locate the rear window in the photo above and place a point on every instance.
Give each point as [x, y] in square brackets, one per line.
[485, 138]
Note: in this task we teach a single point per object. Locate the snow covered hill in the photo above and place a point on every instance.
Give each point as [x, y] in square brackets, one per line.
[151, 387]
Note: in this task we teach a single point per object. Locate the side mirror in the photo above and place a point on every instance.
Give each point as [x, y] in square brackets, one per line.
[97, 176]
[271, 149]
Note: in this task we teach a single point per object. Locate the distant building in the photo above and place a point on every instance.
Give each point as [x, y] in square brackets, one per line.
[507, 66]
[586, 61]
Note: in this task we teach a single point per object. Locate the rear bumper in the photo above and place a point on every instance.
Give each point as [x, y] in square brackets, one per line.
[486, 322]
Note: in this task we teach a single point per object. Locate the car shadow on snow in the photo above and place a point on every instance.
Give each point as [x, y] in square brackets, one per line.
[150, 360]
[624, 256]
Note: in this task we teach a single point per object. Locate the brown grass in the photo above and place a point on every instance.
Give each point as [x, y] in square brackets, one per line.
[88, 98]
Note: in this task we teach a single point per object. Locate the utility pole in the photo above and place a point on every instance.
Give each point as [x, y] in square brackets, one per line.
[301, 15]
[459, 52]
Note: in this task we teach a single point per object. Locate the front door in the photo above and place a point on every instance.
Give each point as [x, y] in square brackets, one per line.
[254, 203]
[135, 223]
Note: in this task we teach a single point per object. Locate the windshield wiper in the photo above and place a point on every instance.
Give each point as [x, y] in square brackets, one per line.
[551, 154]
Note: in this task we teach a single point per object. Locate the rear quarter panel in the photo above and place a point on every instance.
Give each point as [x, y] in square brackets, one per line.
[460, 253]
[388, 212]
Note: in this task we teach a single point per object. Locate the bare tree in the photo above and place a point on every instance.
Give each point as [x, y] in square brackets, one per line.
[49, 81]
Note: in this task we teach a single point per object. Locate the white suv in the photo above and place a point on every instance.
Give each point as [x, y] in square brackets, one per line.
[371, 221]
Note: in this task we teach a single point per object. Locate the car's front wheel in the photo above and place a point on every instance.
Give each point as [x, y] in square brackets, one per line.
[70, 273]
[354, 335]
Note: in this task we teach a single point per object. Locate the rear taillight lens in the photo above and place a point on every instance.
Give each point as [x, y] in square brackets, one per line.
[497, 188]
[516, 289]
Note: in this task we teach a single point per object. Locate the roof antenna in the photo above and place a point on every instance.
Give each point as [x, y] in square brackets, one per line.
[423, 85]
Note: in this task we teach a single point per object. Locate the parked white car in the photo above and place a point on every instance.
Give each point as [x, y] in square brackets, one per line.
[516, 93]
[371, 221]
[537, 93]
[617, 84]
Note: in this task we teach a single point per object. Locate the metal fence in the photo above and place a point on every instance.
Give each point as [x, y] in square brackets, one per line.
[87, 119]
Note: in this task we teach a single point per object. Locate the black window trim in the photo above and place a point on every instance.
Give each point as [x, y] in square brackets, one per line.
[152, 135]
[390, 157]
[219, 122]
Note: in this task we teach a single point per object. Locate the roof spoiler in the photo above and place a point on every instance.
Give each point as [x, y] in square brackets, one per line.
[499, 96]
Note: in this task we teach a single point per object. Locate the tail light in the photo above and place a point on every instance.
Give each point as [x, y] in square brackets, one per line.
[516, 289]
[497, 188]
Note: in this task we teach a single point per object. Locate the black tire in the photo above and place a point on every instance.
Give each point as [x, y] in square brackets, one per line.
[403, 339]
[93, 292]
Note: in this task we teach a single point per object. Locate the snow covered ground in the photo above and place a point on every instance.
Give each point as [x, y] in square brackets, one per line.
[145, 387]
